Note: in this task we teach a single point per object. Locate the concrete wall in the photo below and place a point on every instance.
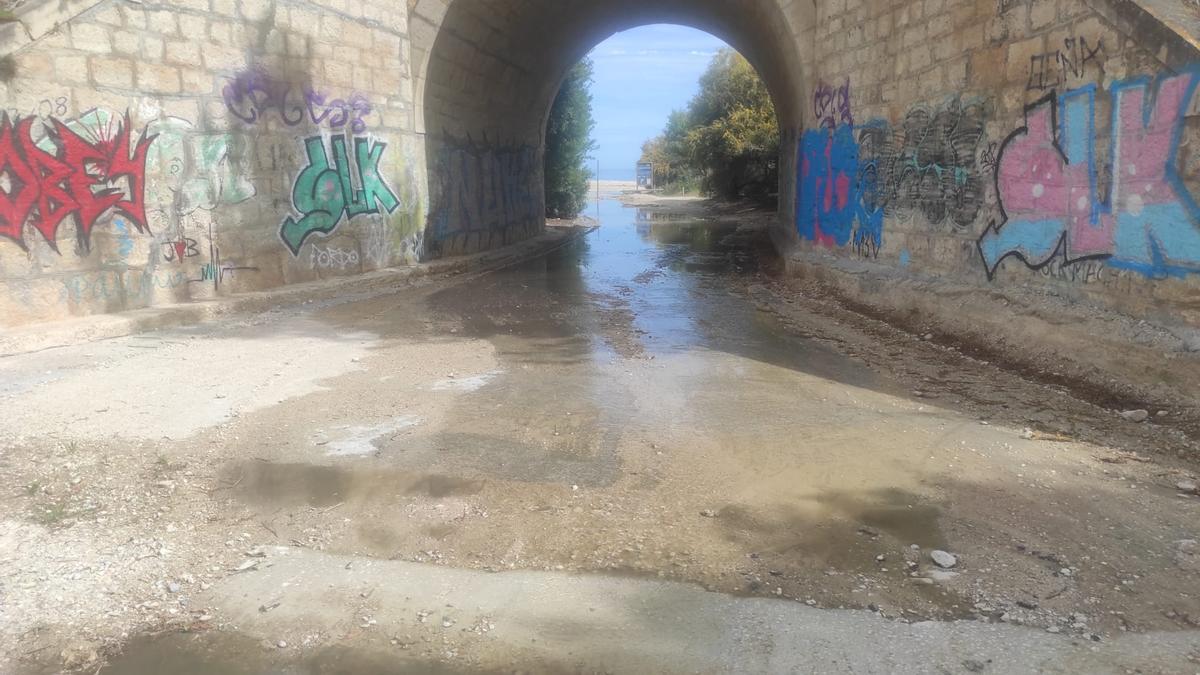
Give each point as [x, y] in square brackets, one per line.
[171, 150]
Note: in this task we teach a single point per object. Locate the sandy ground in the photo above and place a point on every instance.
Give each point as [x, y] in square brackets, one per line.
[646, 417]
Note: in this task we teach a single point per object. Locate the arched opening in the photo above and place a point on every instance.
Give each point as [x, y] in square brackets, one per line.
[487, 74]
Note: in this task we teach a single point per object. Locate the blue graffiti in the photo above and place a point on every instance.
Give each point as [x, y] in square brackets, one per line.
[839, 197]
[1052, 204]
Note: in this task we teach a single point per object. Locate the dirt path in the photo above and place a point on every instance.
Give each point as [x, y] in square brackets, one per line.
[642, 415]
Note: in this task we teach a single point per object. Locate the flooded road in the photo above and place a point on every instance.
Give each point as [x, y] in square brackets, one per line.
[602, 459]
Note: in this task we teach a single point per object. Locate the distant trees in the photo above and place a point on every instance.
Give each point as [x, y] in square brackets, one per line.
[726, 142]
[568, 142]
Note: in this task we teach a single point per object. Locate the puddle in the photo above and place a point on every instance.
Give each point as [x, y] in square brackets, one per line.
[359, 441]
[325, 486]
[216, 653]
[471, 383]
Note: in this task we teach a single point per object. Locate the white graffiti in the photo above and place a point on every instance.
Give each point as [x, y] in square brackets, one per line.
[333, 258]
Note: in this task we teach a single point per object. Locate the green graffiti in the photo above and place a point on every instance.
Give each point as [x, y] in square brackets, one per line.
[323, 194]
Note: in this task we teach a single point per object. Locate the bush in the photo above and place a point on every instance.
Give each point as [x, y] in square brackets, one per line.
[727, 140]
[568, 142]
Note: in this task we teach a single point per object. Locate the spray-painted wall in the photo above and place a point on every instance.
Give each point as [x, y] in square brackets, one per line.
[1010, 143]
[174, 150]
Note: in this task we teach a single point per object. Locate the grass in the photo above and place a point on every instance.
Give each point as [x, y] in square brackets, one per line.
[59, 513]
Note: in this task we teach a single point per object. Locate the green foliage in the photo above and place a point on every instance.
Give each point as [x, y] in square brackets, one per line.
[728, 139]
[568, 142]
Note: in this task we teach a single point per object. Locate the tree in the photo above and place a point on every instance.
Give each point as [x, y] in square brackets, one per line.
[568, 142]
[728, 137]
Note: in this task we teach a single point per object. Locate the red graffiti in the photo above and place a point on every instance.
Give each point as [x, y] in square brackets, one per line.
[82, 178]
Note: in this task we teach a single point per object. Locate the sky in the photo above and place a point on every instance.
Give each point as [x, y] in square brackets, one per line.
[641, 76]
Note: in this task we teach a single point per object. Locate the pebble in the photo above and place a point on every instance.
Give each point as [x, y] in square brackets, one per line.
[1136, 415]
[1053, 629]
[1186, 486]
[172, 587]
[281, 644]
[943, 559]
[708, 513]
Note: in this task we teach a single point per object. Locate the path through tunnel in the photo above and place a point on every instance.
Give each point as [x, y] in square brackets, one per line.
[487, 74]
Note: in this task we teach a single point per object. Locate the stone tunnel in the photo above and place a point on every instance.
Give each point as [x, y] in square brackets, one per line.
[242, 146]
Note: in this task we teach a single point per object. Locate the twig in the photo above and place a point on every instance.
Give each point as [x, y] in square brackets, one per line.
[332, 508]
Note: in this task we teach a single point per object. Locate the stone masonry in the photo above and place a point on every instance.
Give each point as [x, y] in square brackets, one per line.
[178, 149]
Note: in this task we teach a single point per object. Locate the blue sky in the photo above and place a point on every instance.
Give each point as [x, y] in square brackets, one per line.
[641, 76]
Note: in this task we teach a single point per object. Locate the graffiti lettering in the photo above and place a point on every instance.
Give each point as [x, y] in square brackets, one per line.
[251, 94]
[1085, 273]
[1053, 69]
[1051, 202]
[79, 177]
[831, 105]
[481, 187]
[125, 285]
[189, 170]
[850, 177]
[178, 251]
[331, 258]
[325, 193]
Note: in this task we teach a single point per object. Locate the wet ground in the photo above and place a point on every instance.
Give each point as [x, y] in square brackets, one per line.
[639, 408]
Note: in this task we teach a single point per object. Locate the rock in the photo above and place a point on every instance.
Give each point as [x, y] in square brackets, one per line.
[1136, 415]
[247, 566]
[942, 575]
[172, 587]
[708, 513]
[1186, 486]
[281, 644]
[1053, 629]
[943, 559]
[1027, 604]
[880, 558]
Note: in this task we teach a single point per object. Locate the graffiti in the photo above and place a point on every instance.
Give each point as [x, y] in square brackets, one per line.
[1052, 69]
[333, 258]
[988, 161]
[124, 239]
[1085, 273]
[252, 94]
[190, 170]
[1049, 183]
[481, 187]
[850, 177]
[326, 193]
[931, 168]
[47, 107]
[831, 105]
[218, 273]
[66, 174]
[125, 285]
[181, 249]
[379, 244]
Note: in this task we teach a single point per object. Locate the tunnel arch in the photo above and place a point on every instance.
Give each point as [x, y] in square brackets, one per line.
[486, 73]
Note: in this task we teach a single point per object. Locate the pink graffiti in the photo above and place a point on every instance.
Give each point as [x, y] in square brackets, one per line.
[1047, 179]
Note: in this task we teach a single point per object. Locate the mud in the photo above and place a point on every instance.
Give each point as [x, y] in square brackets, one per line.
[650, 403]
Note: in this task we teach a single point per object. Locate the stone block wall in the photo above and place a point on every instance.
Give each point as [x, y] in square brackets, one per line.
[1005, 143]
[173, 150]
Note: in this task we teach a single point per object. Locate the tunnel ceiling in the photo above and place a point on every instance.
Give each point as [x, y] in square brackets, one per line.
[490, 68]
